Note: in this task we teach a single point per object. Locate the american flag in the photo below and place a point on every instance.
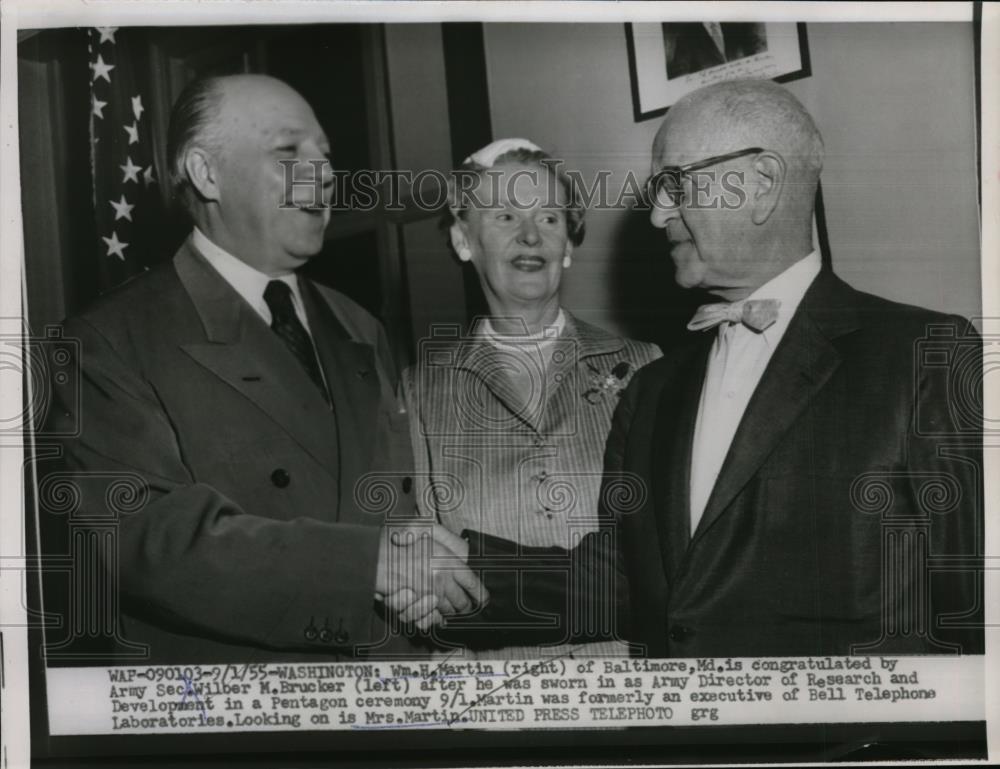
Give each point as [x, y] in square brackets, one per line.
[128, 210]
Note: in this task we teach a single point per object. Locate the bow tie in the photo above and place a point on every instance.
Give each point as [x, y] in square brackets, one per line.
[755, 314]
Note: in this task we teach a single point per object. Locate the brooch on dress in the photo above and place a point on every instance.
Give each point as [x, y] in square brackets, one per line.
[612, 383]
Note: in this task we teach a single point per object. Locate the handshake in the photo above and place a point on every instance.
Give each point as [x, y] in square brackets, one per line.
[422, 575]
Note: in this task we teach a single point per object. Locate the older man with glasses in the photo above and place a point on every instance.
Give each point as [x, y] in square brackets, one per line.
[806, 480]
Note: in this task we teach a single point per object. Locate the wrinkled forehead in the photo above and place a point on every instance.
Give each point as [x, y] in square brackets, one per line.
[691, 134]
[262, 110]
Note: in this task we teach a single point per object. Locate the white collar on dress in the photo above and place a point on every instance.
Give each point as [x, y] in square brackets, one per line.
[545, 337]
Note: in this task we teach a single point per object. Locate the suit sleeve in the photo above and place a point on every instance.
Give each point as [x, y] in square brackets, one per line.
[944, 458]
[552, 595]
[426, 499]
[185, 555]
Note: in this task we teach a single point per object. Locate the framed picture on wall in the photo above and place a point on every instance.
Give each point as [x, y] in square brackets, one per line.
[669, 59]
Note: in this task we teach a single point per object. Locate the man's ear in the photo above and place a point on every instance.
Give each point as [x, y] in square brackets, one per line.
[201, 173]
[460, 241]
[770, 170]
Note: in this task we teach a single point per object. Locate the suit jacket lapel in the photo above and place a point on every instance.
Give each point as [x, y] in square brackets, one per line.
[573, 372]
[578, 341]
[352, 380]
[243, 352]
[672, 442]
[804, 361]
[491, 365]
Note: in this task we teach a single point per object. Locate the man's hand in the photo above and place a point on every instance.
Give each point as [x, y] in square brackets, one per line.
[450, 540]
[422, 577]
[446, 539]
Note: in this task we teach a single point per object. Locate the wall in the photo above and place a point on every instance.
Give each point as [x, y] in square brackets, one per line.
[422, 140]
[895, 104]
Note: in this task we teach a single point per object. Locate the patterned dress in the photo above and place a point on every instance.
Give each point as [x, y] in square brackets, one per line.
[509, 439]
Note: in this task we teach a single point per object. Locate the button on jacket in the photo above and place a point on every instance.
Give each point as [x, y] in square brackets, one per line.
[847, 516]
[252, 536]
[528, 471]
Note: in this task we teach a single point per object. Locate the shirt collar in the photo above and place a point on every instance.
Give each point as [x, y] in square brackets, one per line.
[788, 287]
[246, 280]
[547, 335]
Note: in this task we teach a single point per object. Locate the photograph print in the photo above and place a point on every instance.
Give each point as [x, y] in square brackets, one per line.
[671, 59]
[448, 395]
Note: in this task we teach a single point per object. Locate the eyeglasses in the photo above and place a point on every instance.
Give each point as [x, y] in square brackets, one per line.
[669, 180]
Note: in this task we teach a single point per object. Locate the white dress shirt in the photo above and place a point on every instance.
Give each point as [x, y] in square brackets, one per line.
[248, 282]
[736, 363]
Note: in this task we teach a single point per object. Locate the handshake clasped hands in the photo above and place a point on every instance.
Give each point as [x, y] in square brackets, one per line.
[422, 575]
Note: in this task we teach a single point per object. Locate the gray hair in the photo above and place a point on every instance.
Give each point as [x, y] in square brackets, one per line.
[759, 113]
[192, 122]
[458, 203]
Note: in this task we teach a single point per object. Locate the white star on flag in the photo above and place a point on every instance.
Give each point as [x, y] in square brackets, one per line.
[147, 176]
[123, 209]
[97, 106]
[137, 108]
[115, 246]
[131, 171]
[107, 34]
[133, 133]
[101, 69]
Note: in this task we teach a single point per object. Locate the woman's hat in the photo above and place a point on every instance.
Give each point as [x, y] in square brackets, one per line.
[487, 156]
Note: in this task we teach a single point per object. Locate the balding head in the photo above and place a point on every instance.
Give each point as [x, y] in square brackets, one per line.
[192, 121]
[235, 144]
[203, 117]
[745, 113]
[746, 210]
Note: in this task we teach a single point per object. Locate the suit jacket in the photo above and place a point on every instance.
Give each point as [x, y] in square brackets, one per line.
[237, 514]
[847, 514]
[528, 472]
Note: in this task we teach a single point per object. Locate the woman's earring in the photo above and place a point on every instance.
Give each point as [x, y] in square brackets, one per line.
[464, 253]
[567, 261]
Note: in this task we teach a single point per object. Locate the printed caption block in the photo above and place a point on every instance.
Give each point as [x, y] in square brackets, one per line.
[560, 693]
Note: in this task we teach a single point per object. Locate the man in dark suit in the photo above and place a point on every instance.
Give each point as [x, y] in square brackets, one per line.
[806, 469]
[249, 414]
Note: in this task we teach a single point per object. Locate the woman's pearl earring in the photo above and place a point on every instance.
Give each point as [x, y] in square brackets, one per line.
[464, 254]
[567, 261]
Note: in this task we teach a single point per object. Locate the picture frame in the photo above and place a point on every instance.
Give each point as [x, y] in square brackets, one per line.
[669, 59]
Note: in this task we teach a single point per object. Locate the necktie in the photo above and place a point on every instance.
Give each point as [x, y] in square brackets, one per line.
[714, 30]
[755, 314]
[286, 324]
